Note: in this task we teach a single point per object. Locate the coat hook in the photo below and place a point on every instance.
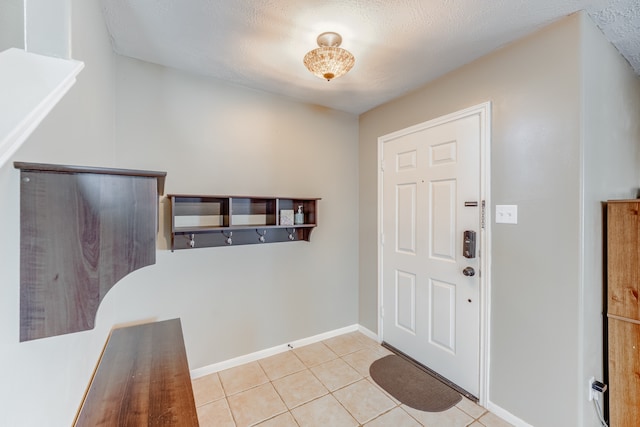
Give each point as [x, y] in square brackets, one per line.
[228, 240]
[192, 240]
[291, 234]
[261, 238]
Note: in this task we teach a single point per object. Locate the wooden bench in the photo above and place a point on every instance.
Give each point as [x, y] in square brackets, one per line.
[142, 379]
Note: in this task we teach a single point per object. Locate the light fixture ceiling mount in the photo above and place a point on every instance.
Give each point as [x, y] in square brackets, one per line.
[329, 61]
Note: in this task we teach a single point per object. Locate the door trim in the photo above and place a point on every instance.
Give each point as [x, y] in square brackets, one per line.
[484, 112]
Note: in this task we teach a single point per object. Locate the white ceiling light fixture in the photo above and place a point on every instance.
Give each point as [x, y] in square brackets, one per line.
[329, 61]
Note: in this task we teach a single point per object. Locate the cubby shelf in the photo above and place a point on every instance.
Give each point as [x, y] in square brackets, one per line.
[208, 220]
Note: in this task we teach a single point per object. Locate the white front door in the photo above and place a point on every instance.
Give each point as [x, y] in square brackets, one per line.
[431, 195]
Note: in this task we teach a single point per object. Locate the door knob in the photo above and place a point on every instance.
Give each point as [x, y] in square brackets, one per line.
[469, 271]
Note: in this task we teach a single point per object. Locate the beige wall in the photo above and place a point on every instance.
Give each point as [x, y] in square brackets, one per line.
[210, 137]
[611, 149]
[216, 138]
[534, 88]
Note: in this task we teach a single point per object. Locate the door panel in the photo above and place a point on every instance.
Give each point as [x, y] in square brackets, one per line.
[406, 218]
[431, 310]
[443, 220]
[406, 301]
[443, 310]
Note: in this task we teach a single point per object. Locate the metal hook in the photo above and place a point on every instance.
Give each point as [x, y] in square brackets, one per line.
[261, 238]
[291, 234]
[228, 240]
[192, 240]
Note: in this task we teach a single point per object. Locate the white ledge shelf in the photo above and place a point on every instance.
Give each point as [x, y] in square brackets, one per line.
[31, 85]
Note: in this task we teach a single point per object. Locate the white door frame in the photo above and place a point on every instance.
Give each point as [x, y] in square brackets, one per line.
[484, 113]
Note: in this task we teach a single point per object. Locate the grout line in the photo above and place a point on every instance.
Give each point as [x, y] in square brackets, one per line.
[365, 346]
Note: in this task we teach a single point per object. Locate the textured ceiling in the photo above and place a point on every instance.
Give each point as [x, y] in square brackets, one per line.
[399, 45]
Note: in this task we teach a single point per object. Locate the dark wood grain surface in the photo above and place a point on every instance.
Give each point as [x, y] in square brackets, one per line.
[46, 167]
[79, 235]
[238, 220]
[142, 379]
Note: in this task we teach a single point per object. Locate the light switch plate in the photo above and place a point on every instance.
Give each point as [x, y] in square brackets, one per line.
[506, 214]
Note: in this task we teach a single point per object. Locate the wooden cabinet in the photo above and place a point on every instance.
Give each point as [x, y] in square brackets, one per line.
[82, 229]
[206, 221]
[623, 312]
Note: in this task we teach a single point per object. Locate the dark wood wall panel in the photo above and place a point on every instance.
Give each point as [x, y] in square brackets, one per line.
[80, 234]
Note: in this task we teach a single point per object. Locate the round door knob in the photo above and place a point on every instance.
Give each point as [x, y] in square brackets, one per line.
[469, 271]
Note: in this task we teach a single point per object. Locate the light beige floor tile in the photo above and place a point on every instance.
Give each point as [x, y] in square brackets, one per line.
[242, 378]
[375, 345]
[361, 360]
[384, 351]
[207, 389]
[363, 400]
[492, 420]
[336, 374]
[356, 399]
[369, 342]
[256, 405]
[315, 354]
[281, 365]
[299, 388]
[397, 417]
[215, 414]
[453, 417]
[471, 408]
[284, 420]
[386, 393]
[323, 412]
[347, 343]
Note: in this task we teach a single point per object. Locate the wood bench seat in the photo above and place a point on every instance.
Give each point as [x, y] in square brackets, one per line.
[142, 379]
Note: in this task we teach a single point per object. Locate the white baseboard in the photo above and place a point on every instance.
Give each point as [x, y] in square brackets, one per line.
[506, 415]
[252, 357]
[369, 333]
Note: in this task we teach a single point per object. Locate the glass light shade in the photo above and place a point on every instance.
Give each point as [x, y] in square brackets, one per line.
[329, 62]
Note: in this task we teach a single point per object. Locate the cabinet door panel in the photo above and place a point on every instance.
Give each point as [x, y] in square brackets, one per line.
[623, 252]
[624, 373]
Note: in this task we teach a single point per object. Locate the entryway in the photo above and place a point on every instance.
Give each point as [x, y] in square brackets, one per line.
[434, 246]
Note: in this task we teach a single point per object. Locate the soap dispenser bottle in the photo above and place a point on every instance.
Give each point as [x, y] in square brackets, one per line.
[299, 216]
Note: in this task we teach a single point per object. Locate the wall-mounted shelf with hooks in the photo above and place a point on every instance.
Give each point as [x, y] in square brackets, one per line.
[206, 221]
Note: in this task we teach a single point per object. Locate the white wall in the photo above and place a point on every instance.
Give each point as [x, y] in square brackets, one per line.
[211, 138]
[44, 380]
[536, 91]
[611, 149]
[11, 24]
[48, 27]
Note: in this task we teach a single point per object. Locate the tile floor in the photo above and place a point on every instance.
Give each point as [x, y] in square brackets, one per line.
[326, 384]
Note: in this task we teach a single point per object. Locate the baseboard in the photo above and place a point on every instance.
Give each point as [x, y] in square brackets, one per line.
[506, 415]
[252, 357]
[369, 333]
